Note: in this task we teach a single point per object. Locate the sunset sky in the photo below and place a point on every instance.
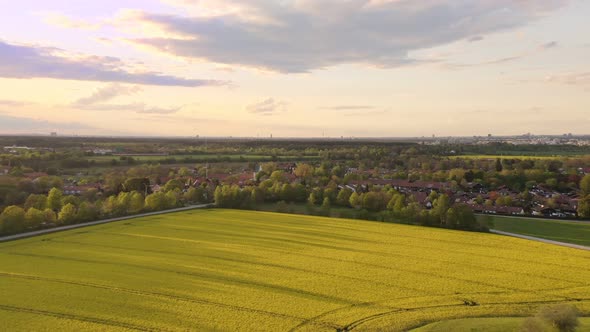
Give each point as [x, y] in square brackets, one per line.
[291, 68]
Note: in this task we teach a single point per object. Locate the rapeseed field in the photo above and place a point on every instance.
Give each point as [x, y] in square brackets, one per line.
[232, 270]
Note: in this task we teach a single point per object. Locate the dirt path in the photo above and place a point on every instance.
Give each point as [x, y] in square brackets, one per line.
[92, 223]
[564, 244]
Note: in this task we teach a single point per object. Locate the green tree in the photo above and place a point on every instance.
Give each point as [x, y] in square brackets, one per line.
[34, 217]
[156, 201]
[326, 203]
[585, 185]
[36, 201]
[136, 202]
[355, 200]
[343, 198]
[12, 219]
[461, 216]
[173, 185]
[584, 207]
[440, 207]
[87, 212]
[140, 184]
[54, 199]
[67, 214]
[70, 199]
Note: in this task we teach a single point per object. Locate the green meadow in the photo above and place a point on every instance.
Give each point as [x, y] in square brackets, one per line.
[231, 270]
[557, 230]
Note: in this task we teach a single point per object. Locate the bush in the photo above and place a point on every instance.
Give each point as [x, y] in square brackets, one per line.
[562, 316]
[535, 324]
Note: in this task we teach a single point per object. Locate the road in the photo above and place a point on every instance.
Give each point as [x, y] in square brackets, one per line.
[99, 222]
[526, 237]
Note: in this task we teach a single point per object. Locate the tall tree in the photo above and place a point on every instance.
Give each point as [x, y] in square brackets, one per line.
[67, 214]
[54, 199]
[12, 219]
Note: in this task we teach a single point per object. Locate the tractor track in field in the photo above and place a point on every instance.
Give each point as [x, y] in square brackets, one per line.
[159, 295]
[385, 254]
[457, 296]
[353, 325]
[94, 320]
[215, 278]
[250, 262]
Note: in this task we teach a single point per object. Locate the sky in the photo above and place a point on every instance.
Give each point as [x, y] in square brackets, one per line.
[295, 68]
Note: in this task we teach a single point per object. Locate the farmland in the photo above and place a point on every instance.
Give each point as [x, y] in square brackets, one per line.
[563, 231]
[239, 270]
[509, 324]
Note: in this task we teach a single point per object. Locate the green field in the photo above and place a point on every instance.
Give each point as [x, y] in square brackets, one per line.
[522, 156]
[223, 157]
[556, 230]
[240, 270]
[508, 324]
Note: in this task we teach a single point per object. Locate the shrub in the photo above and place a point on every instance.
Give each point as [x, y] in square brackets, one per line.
[562, 316]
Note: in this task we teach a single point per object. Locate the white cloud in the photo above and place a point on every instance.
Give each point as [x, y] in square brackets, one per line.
[305, 35]
[267, 107]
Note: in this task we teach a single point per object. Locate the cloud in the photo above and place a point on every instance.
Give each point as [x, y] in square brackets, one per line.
[14, 103]
[13, 124]
[96, 101]
[63, 21]
[107, 93]
[537, 50]
[267, 107]
[348, 107]
[304, 35]
[133, 107]
[549, 45]
[474, 39]
[23, 61]
[573, 78]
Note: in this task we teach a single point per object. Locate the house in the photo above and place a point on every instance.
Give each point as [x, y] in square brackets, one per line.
[79, 189]
[505, 210]
[35, 175]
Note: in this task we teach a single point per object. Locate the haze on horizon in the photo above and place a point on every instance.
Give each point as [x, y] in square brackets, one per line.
[296, 68]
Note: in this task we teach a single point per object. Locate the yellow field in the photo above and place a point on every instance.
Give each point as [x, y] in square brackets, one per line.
[237, 270]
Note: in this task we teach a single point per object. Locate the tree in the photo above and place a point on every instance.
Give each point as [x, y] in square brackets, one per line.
[67, 214]
[326, 203]
[87, 212]
[136, 202]
[173, 185]
[34, 217]
[584, 207]
[157, 201]
[70, 199]
[355, 200]
[499, 166]
[585, 184]
[172, 199]
[440, 207]
[461, 216]
[343, 198]
[49, 216]
[12, 219]
[304, 171]
[140, 184]
[54, 199]
[36, 201]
